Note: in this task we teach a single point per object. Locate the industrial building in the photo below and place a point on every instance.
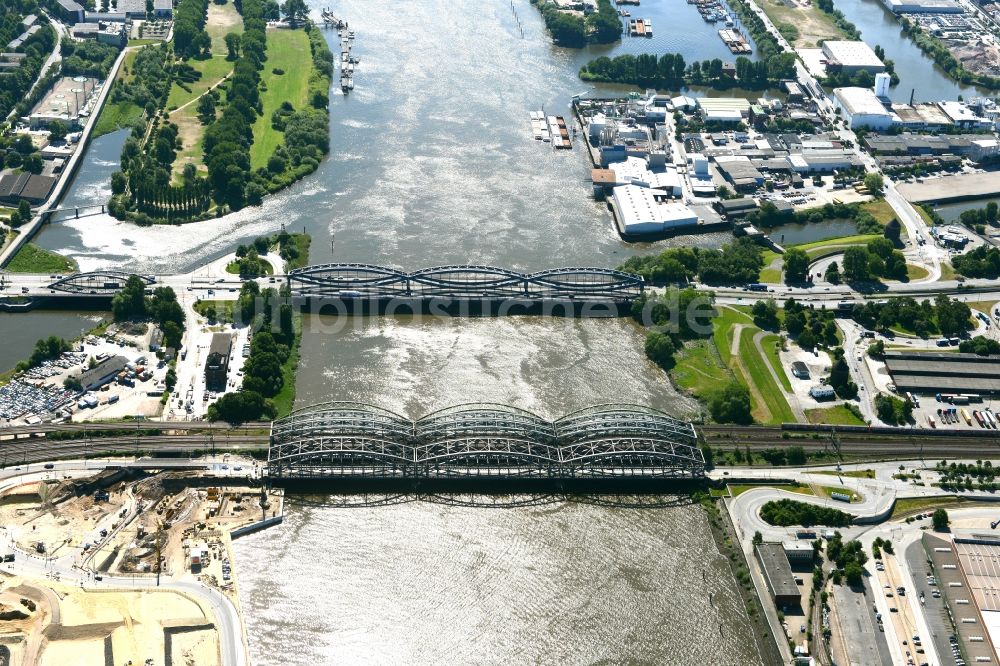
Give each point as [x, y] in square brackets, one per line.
[733, 208]
[33, 188]
[65, 102]
[778, 574]
[112, 33]
[740, 172]
[103, 372]
[799, 552]
[641, 210]
[862, 108]
[217, 362]
[944, 373]
[923, 6]
[724, 109]
[851, 57]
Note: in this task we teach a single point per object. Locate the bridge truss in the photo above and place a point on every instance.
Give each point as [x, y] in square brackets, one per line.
[363, 280]
[96, 282]
[352, 440]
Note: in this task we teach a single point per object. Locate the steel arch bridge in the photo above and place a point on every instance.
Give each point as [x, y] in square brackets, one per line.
[463, 282]
[354, 440]
[97, 282]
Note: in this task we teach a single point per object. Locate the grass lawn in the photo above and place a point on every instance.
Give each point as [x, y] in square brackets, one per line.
[854, 473]
[825, 491]
[287, 50]
[771, 344]
[880, 210]
[699, 369]
[909, 505]
[115, 116]
[143, 42]
[739, 489]
[212, 70]
[914, 272]
[723, 325]
[302, 242]
[838, 415]
[33, 259]
[924, 215]
[222, 19]
[770, 275]
[233, 267]
[771, 406]
[947, 272]
[986, 307]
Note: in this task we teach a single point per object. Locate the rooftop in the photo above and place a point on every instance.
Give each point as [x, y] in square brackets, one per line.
[852, 54]
[860, 101]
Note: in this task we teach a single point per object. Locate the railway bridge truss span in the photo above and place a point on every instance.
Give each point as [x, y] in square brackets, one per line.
[342, 439]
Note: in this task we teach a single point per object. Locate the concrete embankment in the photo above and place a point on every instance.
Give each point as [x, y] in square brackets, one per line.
[28, 231]
[959, 187]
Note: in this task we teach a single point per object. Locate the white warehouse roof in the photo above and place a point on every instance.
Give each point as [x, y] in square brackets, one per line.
[854, 54]
[858, 101]
[640, 212]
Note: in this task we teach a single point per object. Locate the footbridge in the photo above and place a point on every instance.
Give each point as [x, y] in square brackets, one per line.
[338, 440]
[351, 281]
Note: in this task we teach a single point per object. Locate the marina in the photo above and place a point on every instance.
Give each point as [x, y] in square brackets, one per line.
[347, 61]
[735, 40]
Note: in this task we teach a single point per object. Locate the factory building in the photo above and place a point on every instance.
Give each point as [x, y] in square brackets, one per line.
[643, 211]
[862, 108]
[923, 6]
[851, 57]
[944, 373]
[778, 574]
[64, 102]
[103, 372]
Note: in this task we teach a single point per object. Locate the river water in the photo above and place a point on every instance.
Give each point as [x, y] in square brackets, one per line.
[423, 583]
[431, 163]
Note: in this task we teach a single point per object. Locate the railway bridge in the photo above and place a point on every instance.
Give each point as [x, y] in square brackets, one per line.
[483, 440]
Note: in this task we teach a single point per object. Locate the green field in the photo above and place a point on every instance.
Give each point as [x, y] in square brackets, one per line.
[854, 473]
[816, 250]
[698, 369]
[771, 343]
[824, 491]
[287, 50]
[233, 267]
[771, 406]
[914, 272]
[909, 505]
[115, 116]
[33, 259]
[838, 415]
[212, 70]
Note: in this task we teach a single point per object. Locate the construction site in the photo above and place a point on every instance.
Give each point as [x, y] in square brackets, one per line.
[122, 528]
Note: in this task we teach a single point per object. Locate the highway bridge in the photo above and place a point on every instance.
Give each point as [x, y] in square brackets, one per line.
[363, 282]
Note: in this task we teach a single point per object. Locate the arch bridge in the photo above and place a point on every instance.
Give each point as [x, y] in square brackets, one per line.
[352, 440]
[463, 282]
[104, 282]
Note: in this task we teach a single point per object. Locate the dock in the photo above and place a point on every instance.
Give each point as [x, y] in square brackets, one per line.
[640, 28]
[347, 61]
[550, 129]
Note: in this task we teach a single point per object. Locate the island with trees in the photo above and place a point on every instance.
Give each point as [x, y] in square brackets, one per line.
[221, 118]
[570, 28]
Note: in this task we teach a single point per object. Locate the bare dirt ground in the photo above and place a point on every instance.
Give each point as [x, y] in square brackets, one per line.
[812, 24]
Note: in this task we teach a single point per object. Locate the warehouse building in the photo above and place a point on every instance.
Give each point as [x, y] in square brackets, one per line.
[923, 6]
[642, 211]
[777, 574]
[33, 188]
[861, 108]
[733, 208]
[944, 373]
[217, 363]
[103, 372]
[851, 57]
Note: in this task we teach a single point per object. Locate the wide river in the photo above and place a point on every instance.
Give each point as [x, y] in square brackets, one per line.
[432, 163]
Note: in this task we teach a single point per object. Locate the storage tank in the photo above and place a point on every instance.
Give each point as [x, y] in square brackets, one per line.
[882, 85]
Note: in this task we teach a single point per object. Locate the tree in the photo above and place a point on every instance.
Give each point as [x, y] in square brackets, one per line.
[758, 538]
[232, 46]
[765, 314]
[660, 349]
[295, 11]
[874, 182]
[940, 520]
[853, 573]
[57, 130]
[832, 274]
[118, 183]
[856, 263]
[730, 404]
[130, 302]
[23, 211]
[796, 266]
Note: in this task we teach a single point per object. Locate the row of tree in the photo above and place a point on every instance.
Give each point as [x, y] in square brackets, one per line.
[738, 262]
[190, 38]
[944, 316]
[669, 71]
